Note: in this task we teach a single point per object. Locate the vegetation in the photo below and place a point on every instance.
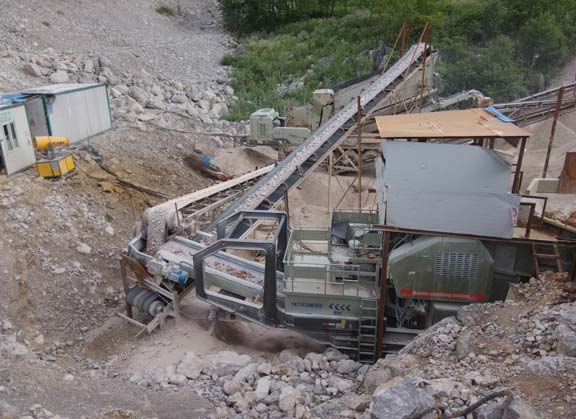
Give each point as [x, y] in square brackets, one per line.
[505, 48]
[247, 16]
[166, 11]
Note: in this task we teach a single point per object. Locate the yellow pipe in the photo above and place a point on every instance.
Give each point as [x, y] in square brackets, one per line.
[45, 143]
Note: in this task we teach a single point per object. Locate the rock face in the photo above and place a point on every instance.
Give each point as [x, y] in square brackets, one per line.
[402, 398]
[206, 102]
[387, 368]
[60, 76]
[32, 70]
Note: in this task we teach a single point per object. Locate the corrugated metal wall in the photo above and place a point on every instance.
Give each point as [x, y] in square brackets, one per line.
[37, 117]
[79, 114]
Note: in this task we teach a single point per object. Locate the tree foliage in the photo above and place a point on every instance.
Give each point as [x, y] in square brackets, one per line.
[505, 48]
[246, 16]
[492, 69]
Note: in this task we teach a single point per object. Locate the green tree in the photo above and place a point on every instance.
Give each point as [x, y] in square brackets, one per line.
[490, 69]
[542, 43]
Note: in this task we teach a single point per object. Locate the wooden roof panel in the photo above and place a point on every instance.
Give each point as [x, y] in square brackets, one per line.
[469, 123]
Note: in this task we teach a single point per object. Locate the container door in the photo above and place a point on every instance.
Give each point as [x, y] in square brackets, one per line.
[17, 147]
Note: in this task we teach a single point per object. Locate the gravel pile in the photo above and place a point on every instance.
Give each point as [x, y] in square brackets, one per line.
[135, 98]
[313, 385]
[502, 351]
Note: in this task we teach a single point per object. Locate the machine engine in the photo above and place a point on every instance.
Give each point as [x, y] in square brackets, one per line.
[434, 276]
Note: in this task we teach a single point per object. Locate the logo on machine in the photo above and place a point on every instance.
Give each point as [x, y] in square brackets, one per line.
[515, 214]
[464, 296]
[340, 307]
[316, 306]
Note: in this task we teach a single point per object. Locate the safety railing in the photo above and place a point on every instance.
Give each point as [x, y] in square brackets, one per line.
[530, 219]
[308, 267]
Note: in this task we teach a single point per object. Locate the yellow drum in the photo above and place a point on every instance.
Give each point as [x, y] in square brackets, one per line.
[47, 143]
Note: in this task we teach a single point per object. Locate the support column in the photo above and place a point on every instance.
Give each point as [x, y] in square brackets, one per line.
[516, 184]
[553, 130]
[330, 168]
[359, 154]
[381, 316]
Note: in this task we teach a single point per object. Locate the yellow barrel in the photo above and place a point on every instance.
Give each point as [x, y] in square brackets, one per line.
[45, 143]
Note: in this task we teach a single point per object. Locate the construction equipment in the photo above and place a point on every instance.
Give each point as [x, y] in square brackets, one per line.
[365, 285]
[56, 161]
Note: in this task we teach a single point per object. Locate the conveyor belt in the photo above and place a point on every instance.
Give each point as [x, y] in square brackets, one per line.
[190, 204]
[289, 173]
[540, 106]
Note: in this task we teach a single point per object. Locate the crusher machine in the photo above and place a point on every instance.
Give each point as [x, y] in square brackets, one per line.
[369, 270]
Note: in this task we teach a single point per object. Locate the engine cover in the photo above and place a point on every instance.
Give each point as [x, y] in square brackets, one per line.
[442, 268]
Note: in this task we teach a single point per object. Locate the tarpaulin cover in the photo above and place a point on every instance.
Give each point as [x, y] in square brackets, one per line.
[497, 114]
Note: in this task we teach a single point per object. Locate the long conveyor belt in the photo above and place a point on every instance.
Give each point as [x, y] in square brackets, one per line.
[288, 174]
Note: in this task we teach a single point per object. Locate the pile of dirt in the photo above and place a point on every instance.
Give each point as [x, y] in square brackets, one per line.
[237, 161]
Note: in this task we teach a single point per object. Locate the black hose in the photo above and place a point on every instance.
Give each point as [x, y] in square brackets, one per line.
[462, 413]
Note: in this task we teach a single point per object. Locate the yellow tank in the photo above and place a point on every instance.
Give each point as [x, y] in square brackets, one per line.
[47, 143]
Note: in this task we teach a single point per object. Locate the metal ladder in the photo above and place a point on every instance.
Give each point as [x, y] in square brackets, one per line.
[367, 331]
[544, 252]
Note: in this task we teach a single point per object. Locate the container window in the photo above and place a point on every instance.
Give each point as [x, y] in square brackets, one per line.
[12, 142]
[15, 142]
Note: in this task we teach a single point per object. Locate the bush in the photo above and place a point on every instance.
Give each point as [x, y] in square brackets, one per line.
[166, 11]
[322, 53]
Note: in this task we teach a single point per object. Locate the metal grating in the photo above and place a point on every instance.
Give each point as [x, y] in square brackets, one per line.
[451, 265]
[262, 130]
